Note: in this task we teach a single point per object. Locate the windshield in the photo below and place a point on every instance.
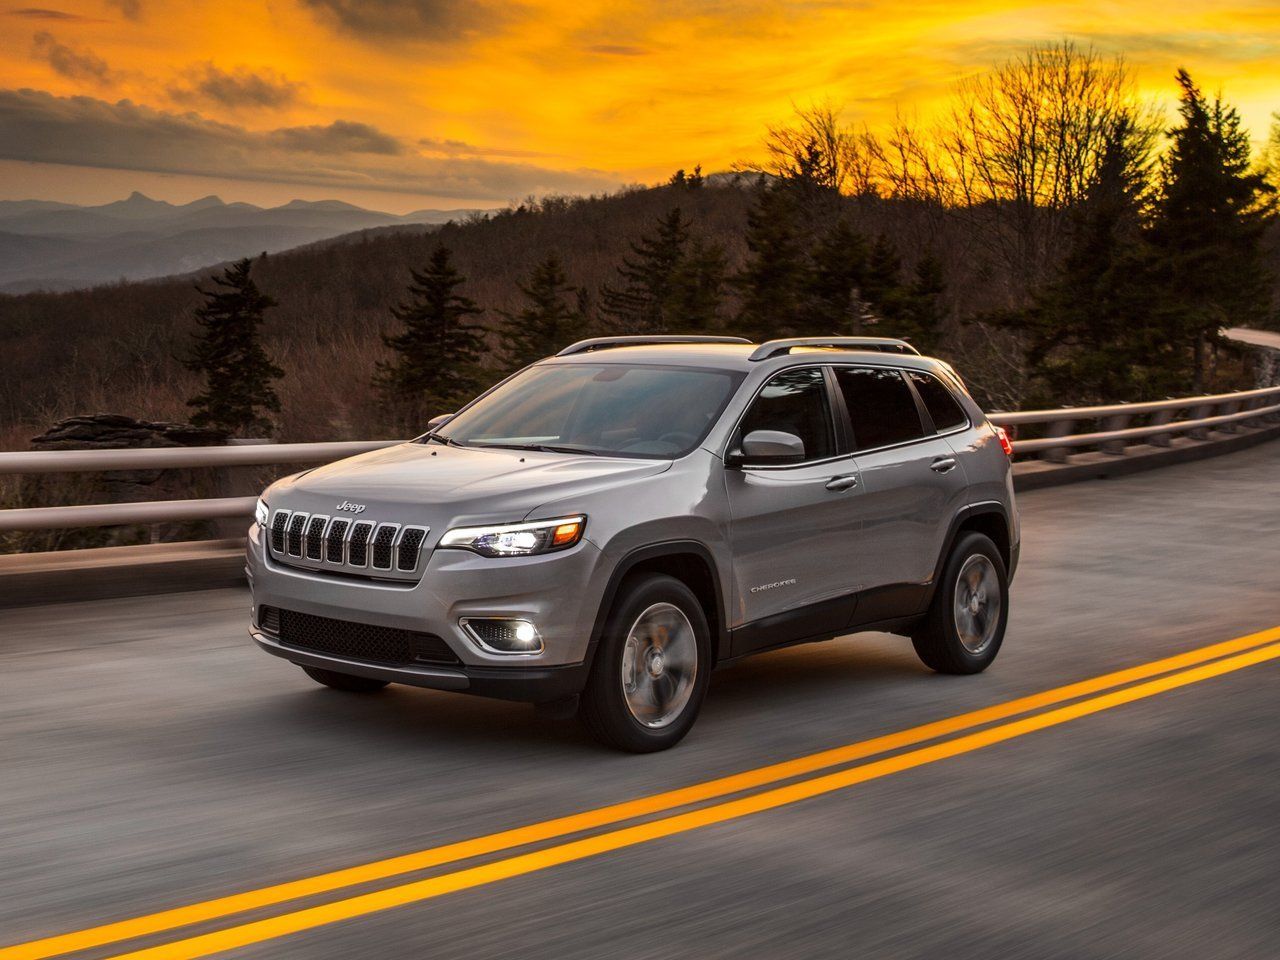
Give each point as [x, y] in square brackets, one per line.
[608, 409]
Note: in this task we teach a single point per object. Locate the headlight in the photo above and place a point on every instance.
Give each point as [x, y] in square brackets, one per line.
[260, 512]
[517, 539]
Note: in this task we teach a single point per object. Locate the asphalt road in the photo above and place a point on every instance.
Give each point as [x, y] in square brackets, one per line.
[150, 758]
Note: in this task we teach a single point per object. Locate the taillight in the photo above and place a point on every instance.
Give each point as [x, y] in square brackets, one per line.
[1005, 443]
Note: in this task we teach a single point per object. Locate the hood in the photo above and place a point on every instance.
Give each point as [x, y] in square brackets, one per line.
[440, 486]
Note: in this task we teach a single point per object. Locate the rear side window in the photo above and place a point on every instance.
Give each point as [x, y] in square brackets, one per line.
[881, 406]
[947, 414]
[795, 401]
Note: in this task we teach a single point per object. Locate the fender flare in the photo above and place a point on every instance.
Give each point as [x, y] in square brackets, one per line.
[967, 512]
[655, 551]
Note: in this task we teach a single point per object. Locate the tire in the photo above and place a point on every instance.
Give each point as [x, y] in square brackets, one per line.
[347, 682]
[651, 668]
[965, 625]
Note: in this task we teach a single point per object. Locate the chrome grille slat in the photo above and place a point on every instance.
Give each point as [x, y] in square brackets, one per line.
[293, 541]
[410, 548]
[383, 540]
[335, 540]
[315, 536]
[279, 523]
[358, 548]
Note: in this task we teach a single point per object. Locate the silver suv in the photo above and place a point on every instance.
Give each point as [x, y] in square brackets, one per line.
[601, 529]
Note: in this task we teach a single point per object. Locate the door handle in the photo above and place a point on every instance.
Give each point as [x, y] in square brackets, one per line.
[842, 483]
[943, 465]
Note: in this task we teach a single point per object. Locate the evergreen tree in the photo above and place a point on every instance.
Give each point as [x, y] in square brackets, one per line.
[901, 307]
[697, 288]
[776, 278]
[550, 320]
[1210, 219]
[237, 371]
[837, 280]
[660, 281]
[437, 363]
[1097, 334]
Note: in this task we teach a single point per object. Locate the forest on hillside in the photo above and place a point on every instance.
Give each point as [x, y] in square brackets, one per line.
[1054, 237]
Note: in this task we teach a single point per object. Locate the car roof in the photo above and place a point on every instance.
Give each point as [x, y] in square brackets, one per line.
[736, 356]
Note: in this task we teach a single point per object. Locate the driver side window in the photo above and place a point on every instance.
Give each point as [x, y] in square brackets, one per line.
[795, 402]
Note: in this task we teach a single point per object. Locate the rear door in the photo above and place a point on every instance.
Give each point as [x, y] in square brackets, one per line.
[912, 485]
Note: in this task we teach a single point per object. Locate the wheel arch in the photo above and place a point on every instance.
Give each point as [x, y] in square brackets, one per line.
[688, 561]
[991, 519]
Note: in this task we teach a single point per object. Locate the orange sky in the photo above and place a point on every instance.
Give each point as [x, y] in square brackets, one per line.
[399, 104]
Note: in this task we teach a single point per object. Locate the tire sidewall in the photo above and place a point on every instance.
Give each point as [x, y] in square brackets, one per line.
[972, 544]
[609, 704]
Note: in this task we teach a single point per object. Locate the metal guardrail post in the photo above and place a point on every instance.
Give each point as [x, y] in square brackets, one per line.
[1059, 428]
[1158, 418]
[1199, 413]
[1117, 421]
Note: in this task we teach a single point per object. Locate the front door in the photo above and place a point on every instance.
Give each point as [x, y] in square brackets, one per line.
[793, 528]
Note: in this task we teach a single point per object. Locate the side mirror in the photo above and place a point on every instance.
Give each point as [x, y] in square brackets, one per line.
[768, 447]
[436, 422]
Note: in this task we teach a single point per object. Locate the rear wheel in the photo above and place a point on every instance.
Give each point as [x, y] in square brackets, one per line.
[348, 682]
[650, 673]
[965, 625]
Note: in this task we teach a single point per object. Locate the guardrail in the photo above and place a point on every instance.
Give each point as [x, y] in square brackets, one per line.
[1116, 430]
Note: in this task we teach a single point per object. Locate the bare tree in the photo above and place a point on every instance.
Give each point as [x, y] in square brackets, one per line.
[817, 148]
[1026, 138]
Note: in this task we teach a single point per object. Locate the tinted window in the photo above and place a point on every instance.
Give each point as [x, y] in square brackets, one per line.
[880, 405]
[605, 408]
[795, 402]
[947, 414]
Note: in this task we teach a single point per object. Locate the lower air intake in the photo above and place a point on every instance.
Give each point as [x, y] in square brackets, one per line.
[361, 641]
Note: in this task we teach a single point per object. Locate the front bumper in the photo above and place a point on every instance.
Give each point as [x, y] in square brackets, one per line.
[559, 592]
[526, 683]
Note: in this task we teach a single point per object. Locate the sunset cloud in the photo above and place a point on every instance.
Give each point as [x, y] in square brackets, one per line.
[521, 95]
[36, 126]
[206, 84]
[71, 63]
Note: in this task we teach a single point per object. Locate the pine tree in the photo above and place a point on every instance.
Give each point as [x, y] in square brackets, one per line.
[837, 280]
[697, 288]
[1097, 333]
[774, 282]
[1210, 219]
[551, 319]
[437, 362]
[227, 353]
[643, 304]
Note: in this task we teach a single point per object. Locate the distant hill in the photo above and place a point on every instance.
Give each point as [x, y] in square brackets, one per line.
[46, 245]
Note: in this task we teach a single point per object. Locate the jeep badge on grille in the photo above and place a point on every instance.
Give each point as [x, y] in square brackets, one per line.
[349, 507]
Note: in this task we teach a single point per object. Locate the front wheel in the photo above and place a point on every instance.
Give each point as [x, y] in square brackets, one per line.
[650, 673]
[965, 625]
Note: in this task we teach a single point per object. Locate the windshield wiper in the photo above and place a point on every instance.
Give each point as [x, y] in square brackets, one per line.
[543, 448]
[447, 441]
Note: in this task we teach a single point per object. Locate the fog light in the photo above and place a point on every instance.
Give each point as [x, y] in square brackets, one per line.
[501, 635]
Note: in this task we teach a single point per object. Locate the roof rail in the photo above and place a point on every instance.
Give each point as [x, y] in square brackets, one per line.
[776, 348]
[604, 343]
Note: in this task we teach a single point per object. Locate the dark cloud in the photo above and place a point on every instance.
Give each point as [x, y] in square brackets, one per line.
[459, 148]
[71, 63]
[207, 84]
[617, 50]
[431, 20]
[40, 13]
[37, 126]
[341, 136]
[132, 9]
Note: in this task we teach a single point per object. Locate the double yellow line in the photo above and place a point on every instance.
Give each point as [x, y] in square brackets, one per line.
[1089, 696]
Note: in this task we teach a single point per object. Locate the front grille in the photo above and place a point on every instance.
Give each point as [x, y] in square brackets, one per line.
[410, 546]
[360, 641]
[334, 542]
[315, 530]
[382, 542]
[316, 541]
[358, 549]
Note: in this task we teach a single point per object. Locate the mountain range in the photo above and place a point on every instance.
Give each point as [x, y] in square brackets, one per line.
[47, 245]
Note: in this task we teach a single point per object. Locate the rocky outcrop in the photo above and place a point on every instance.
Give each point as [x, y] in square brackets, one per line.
[114, 431]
